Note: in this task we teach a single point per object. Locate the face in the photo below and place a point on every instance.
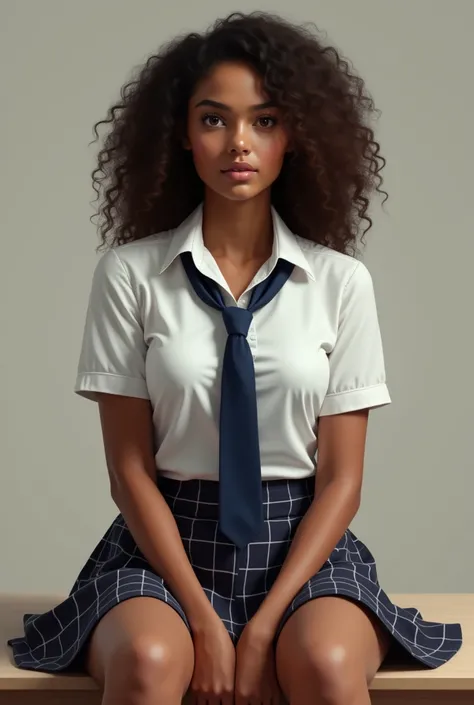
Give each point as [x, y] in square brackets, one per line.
[231, 122]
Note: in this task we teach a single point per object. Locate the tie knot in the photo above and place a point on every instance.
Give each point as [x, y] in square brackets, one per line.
[237, 320]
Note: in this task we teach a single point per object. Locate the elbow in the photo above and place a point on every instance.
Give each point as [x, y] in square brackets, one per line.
[352, 490]
[354, 494]
[116, 482]
[342, 487]
[114, 489]
[128, 481]
[122, 495]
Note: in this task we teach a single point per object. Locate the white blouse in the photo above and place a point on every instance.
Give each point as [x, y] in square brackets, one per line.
[316, 347]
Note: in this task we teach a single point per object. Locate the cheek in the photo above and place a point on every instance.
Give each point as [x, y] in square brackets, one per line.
[205, 153]
[272, 153]
[205, 146]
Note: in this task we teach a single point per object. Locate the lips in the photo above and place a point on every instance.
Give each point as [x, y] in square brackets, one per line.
[241, 166]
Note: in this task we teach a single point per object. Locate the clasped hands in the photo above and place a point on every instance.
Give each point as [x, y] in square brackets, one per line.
[228, 675]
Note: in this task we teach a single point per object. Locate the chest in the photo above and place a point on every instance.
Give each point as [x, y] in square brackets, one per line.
[238, 277]
[289, 338]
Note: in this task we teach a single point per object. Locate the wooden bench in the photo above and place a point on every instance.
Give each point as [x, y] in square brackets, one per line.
[451, 684]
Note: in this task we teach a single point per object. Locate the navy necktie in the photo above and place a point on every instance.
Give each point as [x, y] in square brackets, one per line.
[240, 478]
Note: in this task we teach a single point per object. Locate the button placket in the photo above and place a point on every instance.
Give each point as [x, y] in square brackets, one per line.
[243, 301]
[252, 338]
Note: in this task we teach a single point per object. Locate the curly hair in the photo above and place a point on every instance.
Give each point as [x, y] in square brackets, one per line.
[322, 192]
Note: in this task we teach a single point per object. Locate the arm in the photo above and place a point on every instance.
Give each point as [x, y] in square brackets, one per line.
[128, 441]
[356, 384]
[341, 450]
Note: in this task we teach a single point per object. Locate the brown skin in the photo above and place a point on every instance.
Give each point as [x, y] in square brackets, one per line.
[327, 641]
[237, 225]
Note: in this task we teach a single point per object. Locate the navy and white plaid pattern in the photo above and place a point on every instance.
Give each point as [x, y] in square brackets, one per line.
[235, 581]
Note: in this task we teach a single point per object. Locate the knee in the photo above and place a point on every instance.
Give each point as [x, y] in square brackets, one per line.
[329, 673]
[146, 666]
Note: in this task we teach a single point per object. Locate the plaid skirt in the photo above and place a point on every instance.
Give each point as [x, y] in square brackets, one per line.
[235, 581]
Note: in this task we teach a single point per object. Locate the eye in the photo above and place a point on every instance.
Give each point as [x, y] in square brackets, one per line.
[210, 116]
[212, 120]
[268, 117]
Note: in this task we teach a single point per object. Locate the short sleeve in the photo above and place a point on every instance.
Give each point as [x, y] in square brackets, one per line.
[356, 362]
[112, 357]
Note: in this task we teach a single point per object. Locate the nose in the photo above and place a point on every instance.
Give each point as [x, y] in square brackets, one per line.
[239, 141]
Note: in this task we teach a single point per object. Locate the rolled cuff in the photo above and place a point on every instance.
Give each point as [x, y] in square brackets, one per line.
[88, 384]
[354, 399]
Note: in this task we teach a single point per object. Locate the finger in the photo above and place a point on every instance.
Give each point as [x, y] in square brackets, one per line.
[278, 698]
[215, 699]
[199, 697]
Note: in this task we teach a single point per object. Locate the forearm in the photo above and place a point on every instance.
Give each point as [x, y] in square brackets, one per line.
[155, 532]
[319, 531]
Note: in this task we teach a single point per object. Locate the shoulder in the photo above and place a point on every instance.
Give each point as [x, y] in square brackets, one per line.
[336, 271]
[135, 260]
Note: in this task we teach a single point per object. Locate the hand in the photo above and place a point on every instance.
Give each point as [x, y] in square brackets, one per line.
[214, 665]
[255, 680]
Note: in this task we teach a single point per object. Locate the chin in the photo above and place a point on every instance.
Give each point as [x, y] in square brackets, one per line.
[239, 192]
[241, 195]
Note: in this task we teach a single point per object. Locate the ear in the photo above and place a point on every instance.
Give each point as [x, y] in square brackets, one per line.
[186, 143]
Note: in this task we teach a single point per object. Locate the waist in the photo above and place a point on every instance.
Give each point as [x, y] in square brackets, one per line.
[270, 473]
[200, 498]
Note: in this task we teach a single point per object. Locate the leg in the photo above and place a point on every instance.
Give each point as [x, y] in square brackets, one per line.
[329, 651]
[141, 653]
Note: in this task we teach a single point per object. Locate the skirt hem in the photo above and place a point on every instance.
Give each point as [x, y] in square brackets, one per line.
[25, 659]
[453, 631]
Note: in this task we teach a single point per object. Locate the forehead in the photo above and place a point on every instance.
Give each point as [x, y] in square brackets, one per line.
[232, 83]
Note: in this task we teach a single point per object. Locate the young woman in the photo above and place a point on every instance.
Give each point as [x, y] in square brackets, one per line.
[233, 346]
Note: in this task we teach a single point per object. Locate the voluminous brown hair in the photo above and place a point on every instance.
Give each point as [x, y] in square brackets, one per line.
[149, 180]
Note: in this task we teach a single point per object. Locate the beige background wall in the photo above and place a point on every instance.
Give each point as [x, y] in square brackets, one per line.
[62, 63]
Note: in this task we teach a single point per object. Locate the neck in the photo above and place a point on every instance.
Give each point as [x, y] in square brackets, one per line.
[238, 230]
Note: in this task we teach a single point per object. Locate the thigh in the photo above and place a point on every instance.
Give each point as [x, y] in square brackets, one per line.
[141, 631]
[334, 633]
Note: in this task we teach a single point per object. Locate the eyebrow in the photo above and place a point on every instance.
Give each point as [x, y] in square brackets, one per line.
[222, 106]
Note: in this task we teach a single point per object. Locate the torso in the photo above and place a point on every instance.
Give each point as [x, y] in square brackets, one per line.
[161, 342]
